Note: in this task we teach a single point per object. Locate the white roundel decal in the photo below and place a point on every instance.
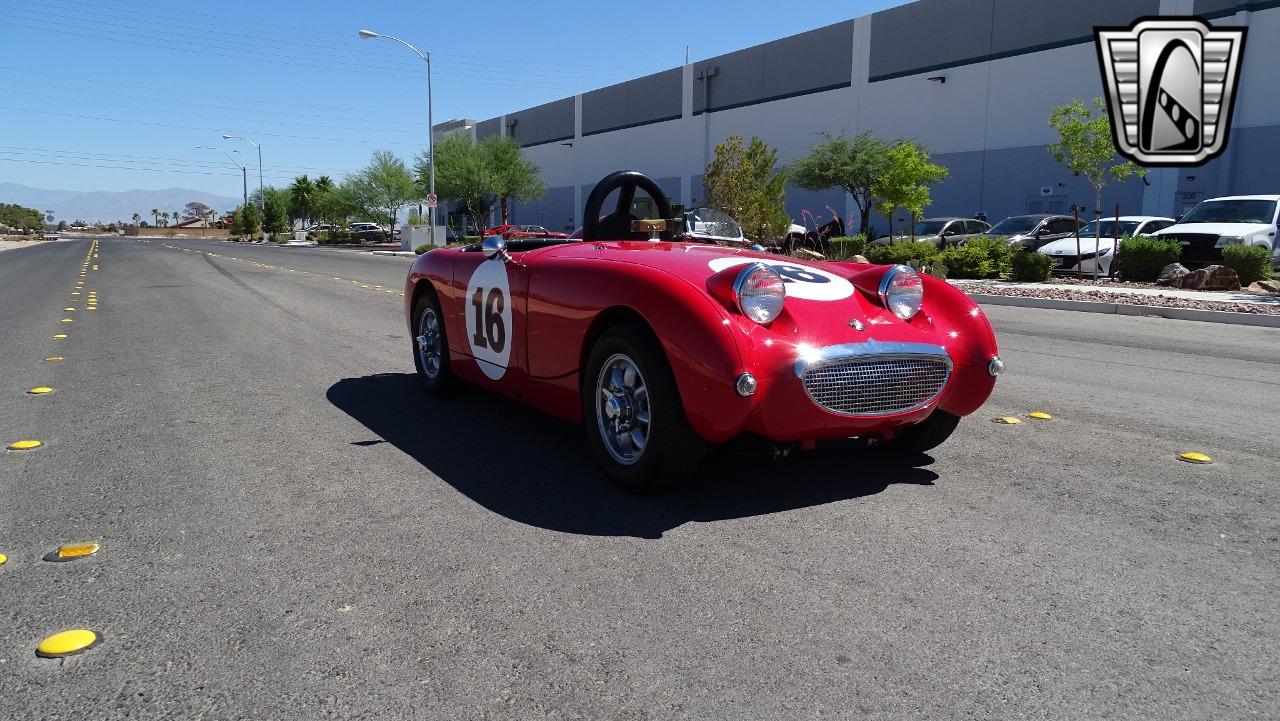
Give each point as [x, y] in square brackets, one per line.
[488, 318]
[801, 281]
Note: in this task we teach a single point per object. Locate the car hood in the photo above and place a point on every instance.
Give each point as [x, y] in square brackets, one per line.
[1215, 228]
[827, 302]
[1067, 246]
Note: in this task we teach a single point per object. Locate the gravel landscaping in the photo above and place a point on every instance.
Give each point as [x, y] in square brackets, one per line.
[1103, 296]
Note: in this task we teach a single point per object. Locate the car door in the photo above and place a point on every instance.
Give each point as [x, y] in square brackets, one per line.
[487, 323]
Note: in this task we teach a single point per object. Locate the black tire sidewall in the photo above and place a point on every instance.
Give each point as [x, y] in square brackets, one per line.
[443, 380]
[673, 449]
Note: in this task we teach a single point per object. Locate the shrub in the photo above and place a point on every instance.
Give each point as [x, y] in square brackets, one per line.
[844, 247]
[998, 252]
[1251, 262]
[1032, 266]
[423, 248]
[969, 261]
[1142, 258]
[903, 253]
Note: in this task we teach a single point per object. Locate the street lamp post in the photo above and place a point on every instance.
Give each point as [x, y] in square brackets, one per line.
[244, 173]
[431, 141]
[261, 192]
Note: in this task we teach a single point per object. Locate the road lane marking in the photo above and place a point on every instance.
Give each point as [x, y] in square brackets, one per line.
[40, 390]
[79, 549]
[24, 445]
[1194, 457]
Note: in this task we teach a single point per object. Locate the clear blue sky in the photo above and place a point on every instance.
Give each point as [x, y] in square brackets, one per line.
[116, 94]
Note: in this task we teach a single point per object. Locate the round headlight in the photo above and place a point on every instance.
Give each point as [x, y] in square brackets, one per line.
[902, 291]
[760, 292]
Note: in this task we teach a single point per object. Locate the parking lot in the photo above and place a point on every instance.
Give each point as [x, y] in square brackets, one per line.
[290, 528]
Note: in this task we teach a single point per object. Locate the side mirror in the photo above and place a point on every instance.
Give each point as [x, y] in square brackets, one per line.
[494, 247]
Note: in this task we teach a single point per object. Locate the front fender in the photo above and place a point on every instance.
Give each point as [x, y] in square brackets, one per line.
[695, 333]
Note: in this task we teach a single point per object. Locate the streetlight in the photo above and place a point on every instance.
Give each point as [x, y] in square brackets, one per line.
[244, 174]
[226, 136]
[431, 142]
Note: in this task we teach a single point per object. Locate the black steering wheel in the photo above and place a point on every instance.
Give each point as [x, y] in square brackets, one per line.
[617, 225]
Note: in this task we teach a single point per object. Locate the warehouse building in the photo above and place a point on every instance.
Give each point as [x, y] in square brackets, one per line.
[974, 80]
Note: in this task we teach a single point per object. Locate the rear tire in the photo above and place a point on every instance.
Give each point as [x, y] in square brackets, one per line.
[927, 435]
[431, 346]
[634, 420]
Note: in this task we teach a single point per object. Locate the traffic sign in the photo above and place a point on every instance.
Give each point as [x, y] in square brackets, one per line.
[431, 200]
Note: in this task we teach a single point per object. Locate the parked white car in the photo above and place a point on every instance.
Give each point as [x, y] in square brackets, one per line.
[1097, 243]
[1218, 222]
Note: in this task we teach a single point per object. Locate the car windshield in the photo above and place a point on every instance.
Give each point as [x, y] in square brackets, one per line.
[929, 227]
[1232, 211]
[1014, 226]
[1108, 228]
[710, 223]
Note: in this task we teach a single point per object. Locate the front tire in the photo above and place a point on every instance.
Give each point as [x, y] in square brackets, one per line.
[926, 435]
[431, 346]
[634, 420]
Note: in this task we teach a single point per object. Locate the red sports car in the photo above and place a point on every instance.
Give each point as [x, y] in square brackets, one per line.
[662, 348]
[522, 232]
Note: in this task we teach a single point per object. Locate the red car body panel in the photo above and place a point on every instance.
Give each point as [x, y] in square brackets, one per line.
[562, 295]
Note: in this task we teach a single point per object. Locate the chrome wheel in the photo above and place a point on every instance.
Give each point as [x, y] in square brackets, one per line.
[428, 342]
[622, 409]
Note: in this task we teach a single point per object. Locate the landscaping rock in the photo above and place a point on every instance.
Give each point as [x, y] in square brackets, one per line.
[1271, 287]
[1214, 277]
[809, 254]
[858, 259]
[1171, 271]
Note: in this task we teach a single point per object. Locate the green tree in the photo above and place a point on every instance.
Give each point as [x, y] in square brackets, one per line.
[905, 181]
[512, 176]
[332, 203]
[155, 213]
[383, 187]
[745, 183]
[463, 175]
[248, 219]
[302, 196]
[164, 217]
[275, 216]
[852, 164]
[200, 211]
[1086, 147]
[17, 216]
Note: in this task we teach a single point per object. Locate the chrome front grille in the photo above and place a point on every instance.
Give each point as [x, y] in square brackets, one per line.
[875, 385]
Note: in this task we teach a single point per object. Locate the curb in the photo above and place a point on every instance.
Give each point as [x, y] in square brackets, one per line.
[402, 253]
[1153, 311]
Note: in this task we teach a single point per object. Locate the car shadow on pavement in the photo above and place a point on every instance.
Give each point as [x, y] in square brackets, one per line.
[536, 469]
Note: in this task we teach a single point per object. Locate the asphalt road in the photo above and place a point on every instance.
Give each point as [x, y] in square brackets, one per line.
[290, 529]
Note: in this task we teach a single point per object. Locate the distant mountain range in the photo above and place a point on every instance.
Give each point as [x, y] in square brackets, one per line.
[109, 205]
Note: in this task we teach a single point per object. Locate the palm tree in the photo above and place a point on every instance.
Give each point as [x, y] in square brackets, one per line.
[165, 217]
[136, 218]
[302, 198]
[156, 214]
[177, 217]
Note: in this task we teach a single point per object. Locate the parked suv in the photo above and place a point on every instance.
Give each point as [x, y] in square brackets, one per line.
[1218, 222]
[939, 231]
[1033, 231]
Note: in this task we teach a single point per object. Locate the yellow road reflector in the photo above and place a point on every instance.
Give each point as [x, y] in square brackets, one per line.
[1194, 457]
[24, 445]
[40, 390]
[66, 643]
[364, 286]
[1040, 416]
[75, 292]
[69, 310]
[78, 550]
[1007, 420]
[53, 358]
[59, 336]
[3, 558]
[388, 291]
[92, 307]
